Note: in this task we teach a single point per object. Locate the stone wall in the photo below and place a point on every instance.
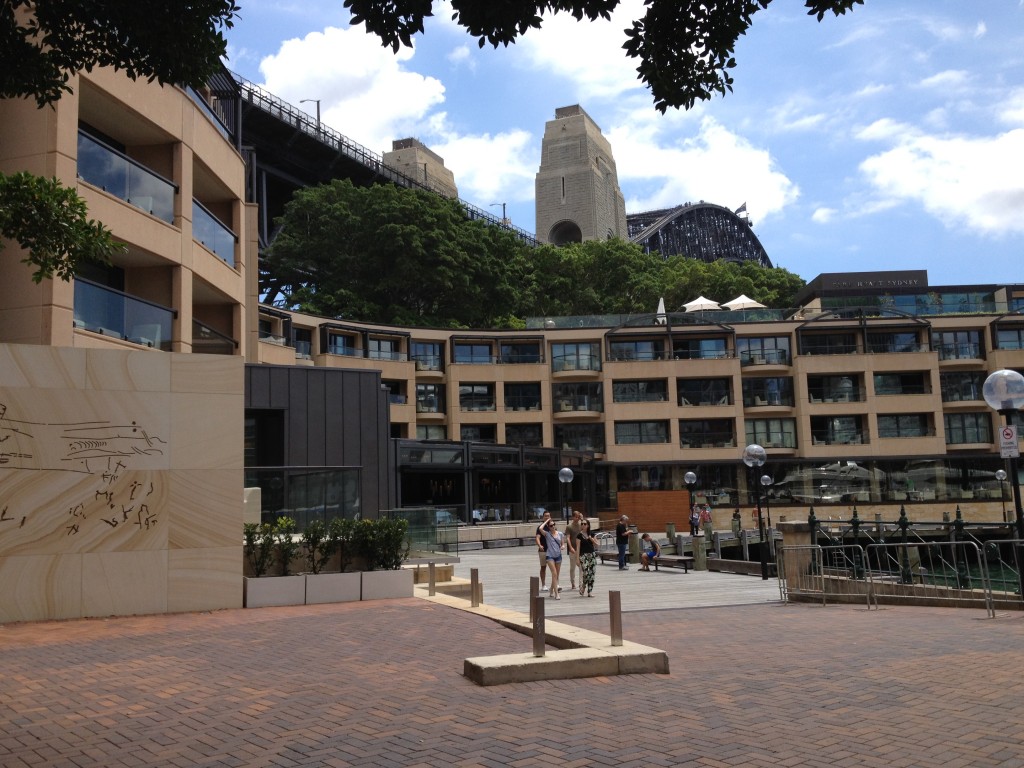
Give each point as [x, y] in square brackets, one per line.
[120, 482]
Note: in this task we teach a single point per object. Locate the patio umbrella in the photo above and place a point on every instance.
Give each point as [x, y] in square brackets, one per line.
[662, 317]
[700, 304]
[743, 302]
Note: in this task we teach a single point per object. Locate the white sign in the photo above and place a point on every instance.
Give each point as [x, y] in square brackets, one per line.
[1008, 447]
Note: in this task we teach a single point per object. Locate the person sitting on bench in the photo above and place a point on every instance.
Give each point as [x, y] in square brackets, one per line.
[651, 550]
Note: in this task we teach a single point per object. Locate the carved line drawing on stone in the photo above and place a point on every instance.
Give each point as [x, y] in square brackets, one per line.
[82, 441]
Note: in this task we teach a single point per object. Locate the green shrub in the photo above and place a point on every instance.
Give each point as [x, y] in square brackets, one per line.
[287, 546]
[382, 543]
[259, 546]
[317, 545]
[340, 532]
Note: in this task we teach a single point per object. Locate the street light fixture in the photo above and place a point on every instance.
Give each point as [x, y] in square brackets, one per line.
[504, 220]
[1001, 477]
[754, 456]
[305, 101]
[1004, 393]
[564, 480]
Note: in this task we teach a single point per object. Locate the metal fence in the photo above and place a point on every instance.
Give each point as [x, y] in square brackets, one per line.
[951, 573]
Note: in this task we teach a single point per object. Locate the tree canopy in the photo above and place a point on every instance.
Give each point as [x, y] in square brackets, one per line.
[43, 43]
[391, 255]
[684, 47]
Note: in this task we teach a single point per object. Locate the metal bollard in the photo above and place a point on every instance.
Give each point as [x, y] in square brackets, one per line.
[615, 613]
[537, 609]
[474, 587]
[432, 584]
[534, 592]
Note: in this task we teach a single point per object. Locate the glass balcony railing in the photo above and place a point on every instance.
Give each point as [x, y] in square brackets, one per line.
[764, 357]
[210, 342]
[773, 439]
[386, 354]
[114, 172]
[306, 493]
[208, 231]
[346, 350]
[116, 314]
[962, 351]
[428, 362]
[708, 440]
[576, 363]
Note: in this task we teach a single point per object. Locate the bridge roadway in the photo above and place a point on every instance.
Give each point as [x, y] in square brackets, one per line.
[506, 573]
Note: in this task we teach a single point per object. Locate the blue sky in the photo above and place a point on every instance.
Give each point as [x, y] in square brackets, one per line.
[891, 138]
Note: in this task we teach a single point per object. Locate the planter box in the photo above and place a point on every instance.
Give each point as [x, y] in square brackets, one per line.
[382, 585]
[267, 591]
[333, 588]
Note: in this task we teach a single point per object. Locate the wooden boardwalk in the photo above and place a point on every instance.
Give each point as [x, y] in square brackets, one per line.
[506, 573]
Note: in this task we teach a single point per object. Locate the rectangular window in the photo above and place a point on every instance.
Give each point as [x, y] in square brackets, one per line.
[771, 433]
[763, 350]
[640, 391]
[957, 345]
[893, 342]
[580, 437]
[530, 435]
[829, 344]
[700, 349]
[835, 389]
[634, 432]
[837, 430]
[903, 425]
[431, 432]
[961, 385]
[429, 398]
[384, 349]
[429, 356]
[522, 397]
[772, 390]
[476, 397]
[968, 428]
[585, 356]
[915, 383]
[704, 391]
[585, 396]
[478, 433]
[707, 433]
[473, 354]
[303, 340]
[648, 349]
[1010, 338]
[513, 352]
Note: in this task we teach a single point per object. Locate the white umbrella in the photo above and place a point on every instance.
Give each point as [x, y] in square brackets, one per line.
[662, 317]
[700, 304]
[743, 302]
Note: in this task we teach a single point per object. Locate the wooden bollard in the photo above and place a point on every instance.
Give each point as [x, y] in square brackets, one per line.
[615, 614]
[537, 604]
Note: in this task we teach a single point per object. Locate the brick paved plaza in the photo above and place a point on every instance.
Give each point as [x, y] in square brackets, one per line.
[379, 683]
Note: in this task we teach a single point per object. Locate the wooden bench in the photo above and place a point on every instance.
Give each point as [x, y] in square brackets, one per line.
[607, 555]
[674, 561]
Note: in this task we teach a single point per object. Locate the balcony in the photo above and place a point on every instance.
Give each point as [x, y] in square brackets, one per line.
[210, 342]
[117, 174]
[574, 363]
[428, 363]
[116, 314]
[708, 440]
[847, 438]
[961, 351]
[765, 357]
[386, 354]
[208, 231]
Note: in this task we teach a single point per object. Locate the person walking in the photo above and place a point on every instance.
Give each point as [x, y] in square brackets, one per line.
[622, 541]
[586, 547]
[554, 542]
[694, 520]
[542, 547]
[572, 530]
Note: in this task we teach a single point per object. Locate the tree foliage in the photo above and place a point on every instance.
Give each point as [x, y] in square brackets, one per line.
[684, 47]
[391, 255]
[43, 43]
[49, 221]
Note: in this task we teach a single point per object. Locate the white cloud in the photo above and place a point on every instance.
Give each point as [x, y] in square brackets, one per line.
[716, 165]
[461, 55]
[950, 79]
[362, 86]
[1011, 110]
[498, 168]
[883, 129]
[823, 215]
[975, 182]
[980, 30]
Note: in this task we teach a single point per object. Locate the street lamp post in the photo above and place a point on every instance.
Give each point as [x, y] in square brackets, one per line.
[1001, 477]
[690, 478]
[564, 480]
[754, 456]
[504, 220]
[304, 101]
[1004, 393]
